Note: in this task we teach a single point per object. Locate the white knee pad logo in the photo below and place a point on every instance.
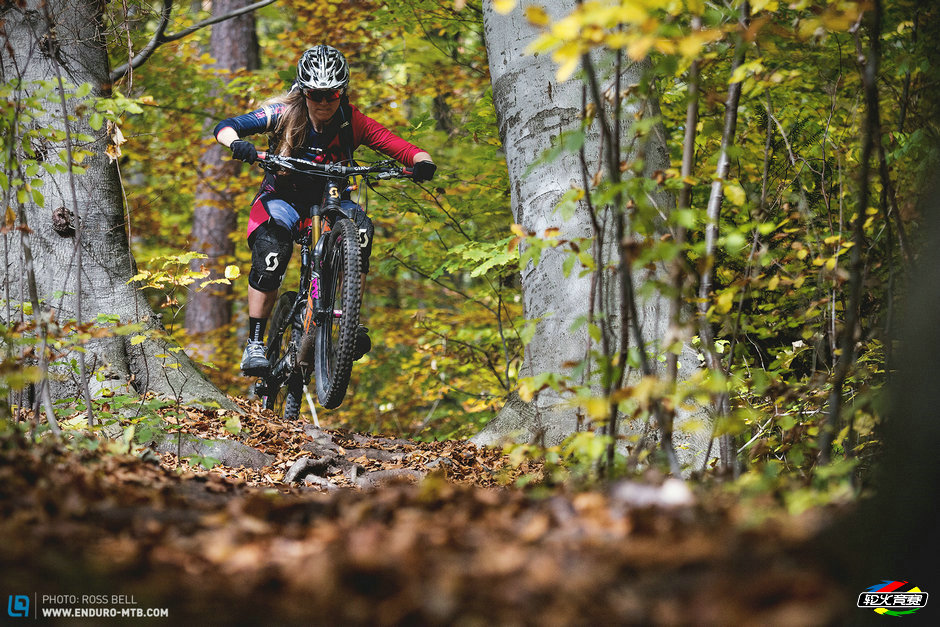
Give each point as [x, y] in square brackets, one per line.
[271, 262]
[363, 238]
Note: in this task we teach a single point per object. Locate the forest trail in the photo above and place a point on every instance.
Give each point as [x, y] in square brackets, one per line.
[359, 539]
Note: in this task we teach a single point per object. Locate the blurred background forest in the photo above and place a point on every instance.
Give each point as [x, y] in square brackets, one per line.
[809, 242]
[441, 300]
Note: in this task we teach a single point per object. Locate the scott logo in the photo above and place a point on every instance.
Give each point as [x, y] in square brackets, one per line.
[271, 262]
[18, 606]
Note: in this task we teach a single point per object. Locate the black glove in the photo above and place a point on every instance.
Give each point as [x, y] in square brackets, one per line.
[423, 171]
[244, 150]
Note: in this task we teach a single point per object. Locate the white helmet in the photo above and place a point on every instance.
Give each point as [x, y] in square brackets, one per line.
[323, 67]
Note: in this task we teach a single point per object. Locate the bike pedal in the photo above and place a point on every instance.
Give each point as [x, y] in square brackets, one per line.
[259, 390]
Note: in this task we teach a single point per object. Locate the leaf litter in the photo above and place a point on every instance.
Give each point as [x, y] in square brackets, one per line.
[436, 535]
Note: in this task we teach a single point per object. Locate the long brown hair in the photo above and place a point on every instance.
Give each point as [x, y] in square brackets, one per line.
[291, 129]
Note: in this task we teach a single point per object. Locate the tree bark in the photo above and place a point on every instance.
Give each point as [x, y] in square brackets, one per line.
[533, 108]
[73, 38]
[234, 45]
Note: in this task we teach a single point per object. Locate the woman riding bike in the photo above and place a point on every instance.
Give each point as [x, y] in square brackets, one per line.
[313, 120]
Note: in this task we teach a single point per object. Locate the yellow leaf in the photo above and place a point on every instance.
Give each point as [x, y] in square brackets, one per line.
[504, 6]
[138, 339]
[536, 15]
[639, 47]
[830, 263]
[841, 437]
[617, 39]
[632, 13]
[566, 69]
[597, 408]
[735, 194]
[691, 45]
[232, 272]
[566, 29]
[666, 46]
[773, 283]
[760, 5]
[526, 393]
[725, 301]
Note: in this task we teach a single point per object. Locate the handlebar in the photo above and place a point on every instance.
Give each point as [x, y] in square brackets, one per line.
[381, 170]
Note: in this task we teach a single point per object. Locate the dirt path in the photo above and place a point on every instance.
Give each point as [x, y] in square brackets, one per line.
[241, 547]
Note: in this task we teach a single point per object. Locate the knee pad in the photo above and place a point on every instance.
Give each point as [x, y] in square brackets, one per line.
[366, 233]
[271, 249]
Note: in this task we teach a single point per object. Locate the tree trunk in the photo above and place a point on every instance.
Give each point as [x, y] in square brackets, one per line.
[234, 45]
[533, 108]
[72, 36]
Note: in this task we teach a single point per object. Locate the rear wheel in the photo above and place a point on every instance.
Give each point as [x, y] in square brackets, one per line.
[289, 395]
[336, 336]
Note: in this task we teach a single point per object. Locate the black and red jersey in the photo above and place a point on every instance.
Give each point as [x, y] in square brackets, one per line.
[307, 190]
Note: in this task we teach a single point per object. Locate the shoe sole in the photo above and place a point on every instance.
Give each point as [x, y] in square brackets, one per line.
[257, 371]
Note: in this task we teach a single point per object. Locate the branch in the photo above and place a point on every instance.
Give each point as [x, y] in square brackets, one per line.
[726, 453]
[851, 325]
[160, 38]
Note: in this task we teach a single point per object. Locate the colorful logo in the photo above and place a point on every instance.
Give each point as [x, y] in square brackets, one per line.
[888, 599]
[18, 606]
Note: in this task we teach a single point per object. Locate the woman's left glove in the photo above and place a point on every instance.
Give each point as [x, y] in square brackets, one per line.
[244, 150]
[423, 171]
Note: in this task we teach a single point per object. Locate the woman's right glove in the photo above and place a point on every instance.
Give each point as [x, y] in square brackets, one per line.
[244, 150]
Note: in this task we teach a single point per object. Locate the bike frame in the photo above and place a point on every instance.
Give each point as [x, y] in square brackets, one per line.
[315, 289]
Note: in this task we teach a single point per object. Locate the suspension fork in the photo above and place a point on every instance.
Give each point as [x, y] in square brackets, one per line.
[314, 288]
[315, 293]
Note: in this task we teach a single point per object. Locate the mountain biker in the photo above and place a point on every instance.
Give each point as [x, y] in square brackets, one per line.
[314, 116]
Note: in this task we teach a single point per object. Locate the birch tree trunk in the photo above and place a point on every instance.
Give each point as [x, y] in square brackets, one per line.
[533, 108]
[35, 36]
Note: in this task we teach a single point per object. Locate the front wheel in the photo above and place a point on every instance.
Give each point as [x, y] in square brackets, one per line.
[283, 334]
[336, 335]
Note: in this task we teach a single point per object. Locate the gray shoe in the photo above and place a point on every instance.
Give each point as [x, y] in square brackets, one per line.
[254, 363]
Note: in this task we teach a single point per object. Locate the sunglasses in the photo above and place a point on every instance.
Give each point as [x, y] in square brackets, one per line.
[321, 95]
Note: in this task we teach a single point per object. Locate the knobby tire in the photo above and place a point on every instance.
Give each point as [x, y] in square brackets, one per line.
[336, 337]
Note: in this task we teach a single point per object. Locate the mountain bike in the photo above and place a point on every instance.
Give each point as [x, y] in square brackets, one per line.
[313, 329]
